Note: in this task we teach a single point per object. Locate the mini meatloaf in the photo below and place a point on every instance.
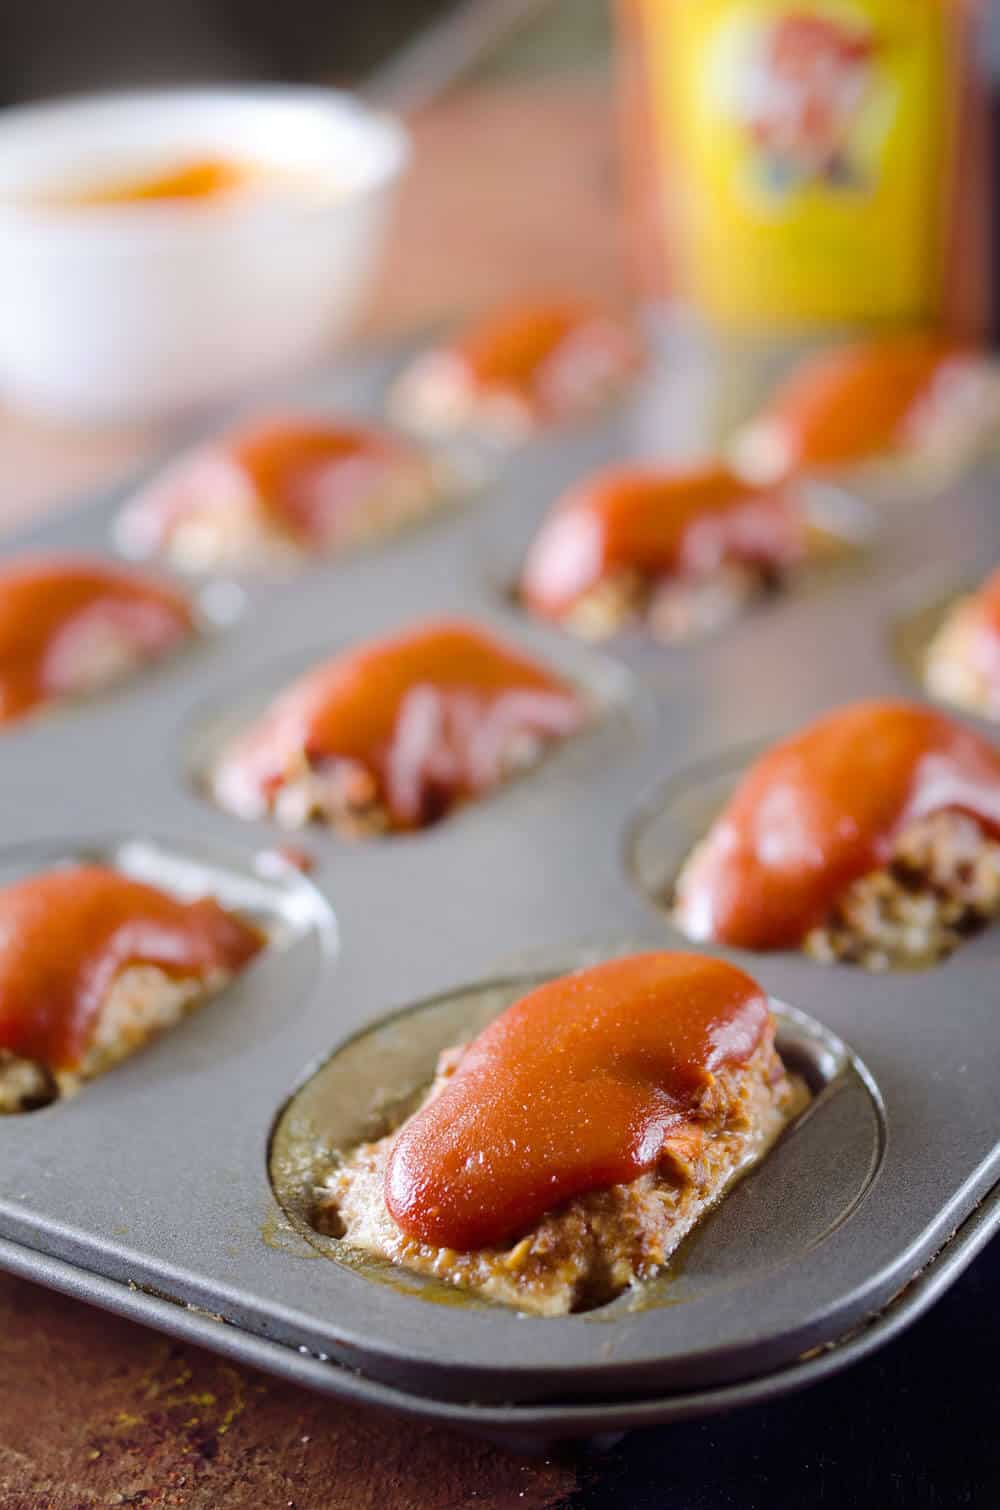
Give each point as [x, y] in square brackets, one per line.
[678, 552]
[277, 490]
[909, 396]
[963, 659]
[561, 1156]
[872, 837]
[70, 626]
[397, 733]
[93, 964]
[518, 370]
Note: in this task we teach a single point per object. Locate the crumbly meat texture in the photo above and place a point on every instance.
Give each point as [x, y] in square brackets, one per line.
[950, 666]
[344, 795]
[234, 530]
[598, 1245]
[675, 610]
[435, 396]
[101, 655]
[670, 610]
[24, 1084]
[143, 1002]
[941, 884]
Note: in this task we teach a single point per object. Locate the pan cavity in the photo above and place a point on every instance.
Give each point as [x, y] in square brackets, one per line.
[630, 607]
[938, 889]
[616, 720]
[806, 1187]
[145, 1007]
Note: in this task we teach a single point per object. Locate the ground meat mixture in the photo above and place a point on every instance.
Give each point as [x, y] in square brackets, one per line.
[344, 794]
[941, 884]
[143, 1002]
[209, 509]
[955, 672]
[671, 610]
[600, 1244]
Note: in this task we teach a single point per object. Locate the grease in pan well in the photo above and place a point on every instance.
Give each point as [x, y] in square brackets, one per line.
[70, 625]
[394, 734]
[915, 395]
[561, 1156]
[279, 489]
[962, 662]
[678, 551]
[872, 837]
[94, 964]
[518, 370]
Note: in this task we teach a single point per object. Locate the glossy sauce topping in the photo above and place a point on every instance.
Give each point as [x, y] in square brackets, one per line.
[660, 523]
[66, 934]
[580, 1085]
[301, 474]
[511, 349]
[856, 402]
[824, 808]
[428, 713]
[59, 615]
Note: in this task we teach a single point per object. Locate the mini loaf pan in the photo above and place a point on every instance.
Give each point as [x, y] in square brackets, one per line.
[151, 1192]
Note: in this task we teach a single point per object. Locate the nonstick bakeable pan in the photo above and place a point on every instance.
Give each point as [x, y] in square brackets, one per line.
[151, 1192]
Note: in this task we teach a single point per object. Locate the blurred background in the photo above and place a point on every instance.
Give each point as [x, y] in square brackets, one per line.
[51, 48]
[522, 177]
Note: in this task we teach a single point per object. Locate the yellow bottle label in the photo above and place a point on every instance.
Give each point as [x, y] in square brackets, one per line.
[804, 151]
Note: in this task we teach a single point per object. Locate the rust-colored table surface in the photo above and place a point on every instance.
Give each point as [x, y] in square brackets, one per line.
[509, 186]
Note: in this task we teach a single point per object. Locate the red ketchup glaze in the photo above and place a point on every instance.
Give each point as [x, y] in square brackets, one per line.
[512, 348]
[425, 712]
[661, 523]
[582, 1084]
[824, 808]
[858, 401]
[299, 473]
[68, 933]
[49, 605]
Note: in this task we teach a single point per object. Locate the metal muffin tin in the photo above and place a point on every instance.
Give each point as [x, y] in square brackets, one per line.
[149, 1193]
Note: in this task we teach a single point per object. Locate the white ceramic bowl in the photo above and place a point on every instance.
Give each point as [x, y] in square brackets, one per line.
[141, 311]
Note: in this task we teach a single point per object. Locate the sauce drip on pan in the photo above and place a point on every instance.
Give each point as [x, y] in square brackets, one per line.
[301, 474]
[824, 808]
[62, 617]
[582, 1084]
[513, 348]
[857, 402]
[68, 933]
[428, 713]
[659, 522]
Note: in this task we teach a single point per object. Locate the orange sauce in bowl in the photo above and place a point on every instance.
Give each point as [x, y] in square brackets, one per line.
[195, 178]
[183, 181]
